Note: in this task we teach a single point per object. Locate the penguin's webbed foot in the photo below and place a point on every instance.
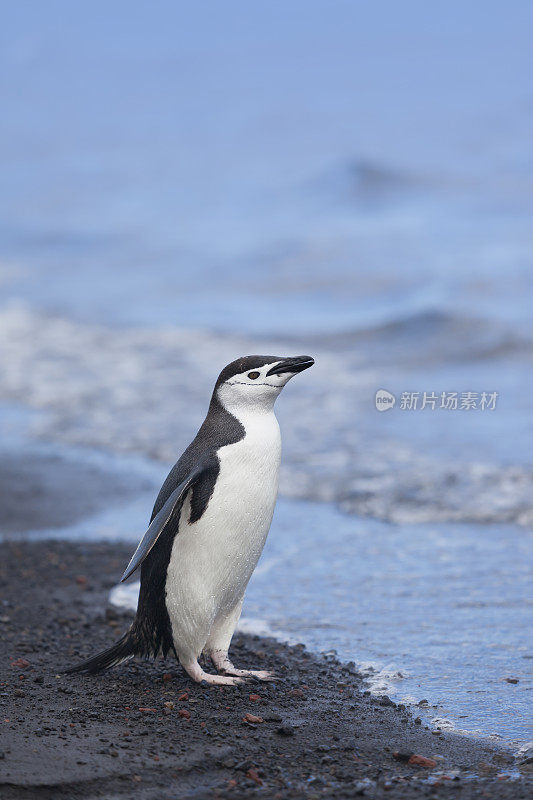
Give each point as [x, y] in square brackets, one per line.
[259, 674]
[195, 671]
[221, 680]
[224, 666]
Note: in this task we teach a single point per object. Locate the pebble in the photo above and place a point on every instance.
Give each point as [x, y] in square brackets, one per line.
[20, 663]
[421, 761]
[252, 719]
[402, 757]
[285, 730]
[385, 701]
[525, 754]
[297, 693]
[363, 786]
[252, 774]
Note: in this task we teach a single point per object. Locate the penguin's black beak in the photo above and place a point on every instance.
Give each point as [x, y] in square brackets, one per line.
[296, 364]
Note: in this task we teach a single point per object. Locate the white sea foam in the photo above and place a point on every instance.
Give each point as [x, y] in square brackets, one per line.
[145, 391]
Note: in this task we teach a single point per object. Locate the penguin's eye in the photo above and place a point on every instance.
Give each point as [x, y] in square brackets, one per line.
[253, 375]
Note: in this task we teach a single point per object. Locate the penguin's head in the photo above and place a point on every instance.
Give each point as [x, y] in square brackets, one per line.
[257, 380]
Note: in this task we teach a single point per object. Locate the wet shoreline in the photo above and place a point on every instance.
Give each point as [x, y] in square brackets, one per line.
[145, 729]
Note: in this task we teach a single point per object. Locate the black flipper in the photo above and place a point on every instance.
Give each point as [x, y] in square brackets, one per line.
[161, 520]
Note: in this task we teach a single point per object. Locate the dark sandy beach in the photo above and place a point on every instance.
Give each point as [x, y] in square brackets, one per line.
[145, 731]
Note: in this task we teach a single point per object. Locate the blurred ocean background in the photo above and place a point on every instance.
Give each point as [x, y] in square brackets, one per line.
[186, 183]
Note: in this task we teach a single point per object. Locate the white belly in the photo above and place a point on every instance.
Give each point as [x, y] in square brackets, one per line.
[213, 559]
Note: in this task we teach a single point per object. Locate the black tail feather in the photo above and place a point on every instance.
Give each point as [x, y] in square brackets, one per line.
[123, 650]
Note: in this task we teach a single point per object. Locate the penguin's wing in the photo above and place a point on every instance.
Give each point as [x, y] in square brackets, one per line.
[161, 520]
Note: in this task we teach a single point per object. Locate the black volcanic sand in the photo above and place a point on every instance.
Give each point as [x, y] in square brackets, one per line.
[146, 731]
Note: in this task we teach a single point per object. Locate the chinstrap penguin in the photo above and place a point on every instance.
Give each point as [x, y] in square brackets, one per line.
[208, 527]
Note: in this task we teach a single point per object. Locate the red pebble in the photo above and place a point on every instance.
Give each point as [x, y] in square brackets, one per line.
[252, 774]
[255, 697]
[422, 761]
[20, 663]
[184, 696]
[252, 719]
[296, 693]
[184, 713]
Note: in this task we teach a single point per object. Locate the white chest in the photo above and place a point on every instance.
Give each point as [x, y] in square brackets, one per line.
[247, 484]
[214, 557]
